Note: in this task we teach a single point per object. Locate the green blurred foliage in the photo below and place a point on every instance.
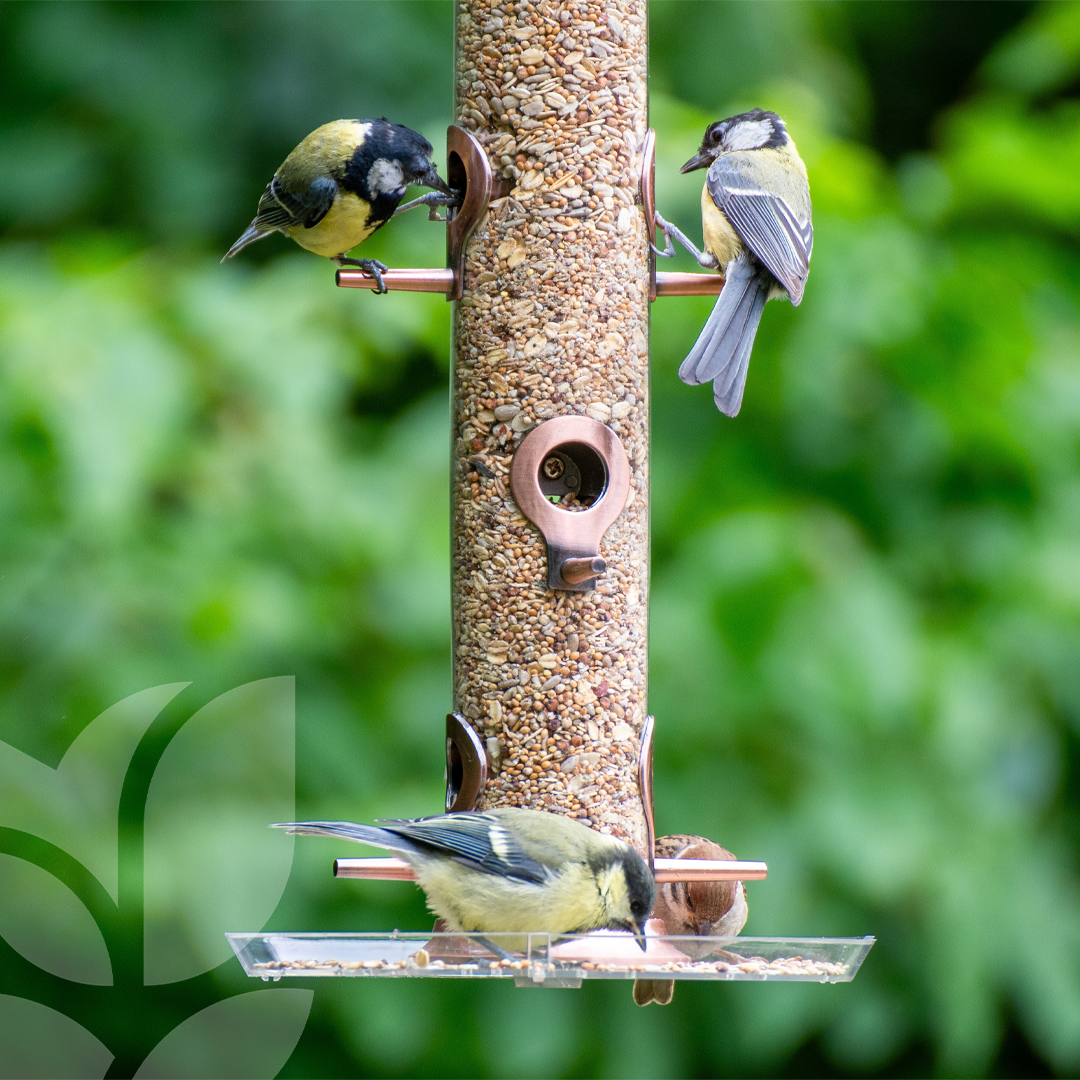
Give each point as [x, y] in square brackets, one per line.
[866, 602]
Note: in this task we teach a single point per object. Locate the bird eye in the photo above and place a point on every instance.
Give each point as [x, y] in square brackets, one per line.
[637, 907]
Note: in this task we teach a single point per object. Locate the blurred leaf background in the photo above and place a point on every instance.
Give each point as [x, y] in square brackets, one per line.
[866, 601]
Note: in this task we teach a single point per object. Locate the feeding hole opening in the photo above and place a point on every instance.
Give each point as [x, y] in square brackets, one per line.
[457, 176]
[455, 772]
[573, 476]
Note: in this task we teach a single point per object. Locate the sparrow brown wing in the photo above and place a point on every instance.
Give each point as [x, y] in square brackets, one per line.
[764, 220]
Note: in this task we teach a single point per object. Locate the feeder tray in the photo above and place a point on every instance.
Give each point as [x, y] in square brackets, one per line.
[562, 960]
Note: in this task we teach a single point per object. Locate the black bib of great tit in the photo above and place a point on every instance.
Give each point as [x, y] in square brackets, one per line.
[344, 181]
[756, 223]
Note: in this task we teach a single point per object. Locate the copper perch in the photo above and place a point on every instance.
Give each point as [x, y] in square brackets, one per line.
[664, 869]
[669, 283]
[434, 281]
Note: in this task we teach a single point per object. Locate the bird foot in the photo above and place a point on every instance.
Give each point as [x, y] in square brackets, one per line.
[432, 200]
[498, 950]
[704, 258]
[369, 266]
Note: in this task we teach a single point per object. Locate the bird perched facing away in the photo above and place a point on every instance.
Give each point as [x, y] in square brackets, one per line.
[705, 908]
[756, 222]
[514, 870]
[339, 185]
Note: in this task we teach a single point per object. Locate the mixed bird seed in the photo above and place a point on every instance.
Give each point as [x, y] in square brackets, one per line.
[754, 967]
[554, 320]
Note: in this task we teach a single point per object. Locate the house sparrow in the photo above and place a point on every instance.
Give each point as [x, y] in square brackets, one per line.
[704, 908]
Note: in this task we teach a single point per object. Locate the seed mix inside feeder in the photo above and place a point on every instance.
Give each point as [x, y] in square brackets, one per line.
[550, 262]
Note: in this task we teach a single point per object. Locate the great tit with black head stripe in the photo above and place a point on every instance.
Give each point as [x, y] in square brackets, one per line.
[756, 222]
[344, 181]
[510, 869]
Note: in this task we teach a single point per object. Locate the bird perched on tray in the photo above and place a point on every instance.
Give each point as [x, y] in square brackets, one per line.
[756, 222]
[514, 870]
[704, 908]
[344, 181]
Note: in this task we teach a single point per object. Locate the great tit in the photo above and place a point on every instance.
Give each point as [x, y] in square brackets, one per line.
[755, 218]
[340, 184]
[704, 908]
[514, 870]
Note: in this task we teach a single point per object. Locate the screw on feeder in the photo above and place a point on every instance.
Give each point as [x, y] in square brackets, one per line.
[553, 468]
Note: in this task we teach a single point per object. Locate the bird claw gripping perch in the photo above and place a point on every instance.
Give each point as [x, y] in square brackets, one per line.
[371, 267]
[704, 258]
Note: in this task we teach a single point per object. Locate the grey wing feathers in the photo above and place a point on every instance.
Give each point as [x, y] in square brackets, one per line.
[280, 210]
[479, 840]
[348, 830]
[305, 208]
[722, 351]
[765, 222]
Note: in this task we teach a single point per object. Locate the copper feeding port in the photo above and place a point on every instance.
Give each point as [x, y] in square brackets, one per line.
[571, 478]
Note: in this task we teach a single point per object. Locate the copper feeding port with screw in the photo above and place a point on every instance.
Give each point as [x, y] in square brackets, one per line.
[571, 477]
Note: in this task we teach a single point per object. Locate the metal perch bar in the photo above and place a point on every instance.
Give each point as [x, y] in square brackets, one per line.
[673, 283]
[429, 281]
[664, 870]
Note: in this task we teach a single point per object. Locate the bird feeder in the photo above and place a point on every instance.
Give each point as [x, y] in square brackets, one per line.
[551, 268]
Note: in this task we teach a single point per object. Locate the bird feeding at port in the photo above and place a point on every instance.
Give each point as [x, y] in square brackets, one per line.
[550, 262]
[514, 870]
[343, 182]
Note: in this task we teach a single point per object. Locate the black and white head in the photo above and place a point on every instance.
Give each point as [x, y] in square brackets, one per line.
[391, 158]
[627, 890]
[754, 130]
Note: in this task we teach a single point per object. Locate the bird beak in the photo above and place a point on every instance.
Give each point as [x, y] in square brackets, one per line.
[703, 929]
[432, 179]
[701, 160]
[639, 936]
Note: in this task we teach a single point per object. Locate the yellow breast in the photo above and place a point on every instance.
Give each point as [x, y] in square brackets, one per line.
[720, 238]
[345, 226]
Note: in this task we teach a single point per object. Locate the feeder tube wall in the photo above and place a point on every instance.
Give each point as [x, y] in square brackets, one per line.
[553, 321]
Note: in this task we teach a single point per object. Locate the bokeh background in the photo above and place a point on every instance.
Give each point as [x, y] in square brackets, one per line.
[866, 602]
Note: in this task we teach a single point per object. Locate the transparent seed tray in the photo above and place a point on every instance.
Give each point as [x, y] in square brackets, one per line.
[549, 959]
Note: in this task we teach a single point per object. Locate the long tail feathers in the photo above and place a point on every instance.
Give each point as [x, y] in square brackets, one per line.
[255, 231]
[722, 350]
[348, 830]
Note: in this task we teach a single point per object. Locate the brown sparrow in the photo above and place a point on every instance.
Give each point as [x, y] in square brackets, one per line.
[704, 908]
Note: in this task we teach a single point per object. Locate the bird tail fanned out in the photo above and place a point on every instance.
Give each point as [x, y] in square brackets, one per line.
[348, 830]
[722, 350]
